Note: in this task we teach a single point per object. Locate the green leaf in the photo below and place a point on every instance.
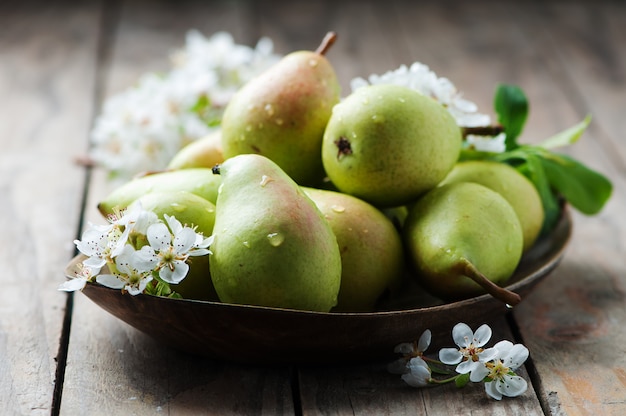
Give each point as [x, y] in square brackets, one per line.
[527, 162]
[568, 136]
[587, 190]
[511, 106]
[462, 380]
[552, 210]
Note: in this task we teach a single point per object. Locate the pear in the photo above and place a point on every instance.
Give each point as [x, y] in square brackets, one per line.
[205, 152]
[372, 257]
[388, 144]
[463, 240]
[198, 181]
[282, 113]
[195, 212]
[516, 188]
[272, 246]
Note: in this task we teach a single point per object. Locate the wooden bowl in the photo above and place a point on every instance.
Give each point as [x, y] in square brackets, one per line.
[265, 335]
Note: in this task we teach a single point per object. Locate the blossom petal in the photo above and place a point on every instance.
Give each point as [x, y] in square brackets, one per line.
[462, 335]
[77, 283]
[159, 236]
[424, 341]
[119, 245]
[111, 281]
[511, 386]
[479, 373]
[145, 259]
[419, 373]
[490, 389]
[94, 262]
[450, 356]
[136, 290]
[516, 356]
[174, 276]
[184, 240]
[174, 224]
[194, 252]
[503, 348]
[202, 242]
[482, 335]
[468, 366]
[488, 354]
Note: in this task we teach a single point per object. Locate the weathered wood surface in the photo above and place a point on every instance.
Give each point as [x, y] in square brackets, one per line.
[46, 100]
[57, 64]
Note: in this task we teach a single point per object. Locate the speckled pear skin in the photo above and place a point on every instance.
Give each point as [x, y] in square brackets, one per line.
[272, 246]
[282, 115]
[370, 245]
[196, 212]
[198, 181]
[516, 188]
[388, 144]
[462, 221]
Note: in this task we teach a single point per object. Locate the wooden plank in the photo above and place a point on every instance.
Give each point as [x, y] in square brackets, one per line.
[112, 368]
[577, 335]
[46, 78]
[381, 37]
[371, 390]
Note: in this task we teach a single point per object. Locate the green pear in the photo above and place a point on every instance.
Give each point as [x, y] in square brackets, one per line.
[195, 212]
[198, 181]
[372, 257]
[388, 144]
[516, 188]
[282, 114]
[272, 246]
[463, 240]
[205, 152]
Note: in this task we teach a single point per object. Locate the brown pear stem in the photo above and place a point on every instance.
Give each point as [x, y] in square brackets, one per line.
[483, 130]
[500, 293]
[327, 42]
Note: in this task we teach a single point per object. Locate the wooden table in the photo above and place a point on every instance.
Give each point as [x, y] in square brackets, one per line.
[62, 354]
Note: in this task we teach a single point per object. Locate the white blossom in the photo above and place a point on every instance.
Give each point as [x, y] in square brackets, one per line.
[418, 373]
[170, 248]
[421, 78]
[114, 245]
[142, 128]
[490, 144]
[470, 355]
[130, 274]
[499, 373]
[409, 350]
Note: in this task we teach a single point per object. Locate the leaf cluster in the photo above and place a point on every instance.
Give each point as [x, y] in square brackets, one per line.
[556, 176]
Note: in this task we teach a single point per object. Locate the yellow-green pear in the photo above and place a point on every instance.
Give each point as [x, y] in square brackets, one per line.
[388, 144]
[195, 212]
[372, 257]
[463, 240]
[205, 152]
[198, 181]
[282, 114]
[272, 246]
[512, 185]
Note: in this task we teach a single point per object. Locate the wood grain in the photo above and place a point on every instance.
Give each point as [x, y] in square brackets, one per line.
[112, 368]
[54, 74]
[46, 81]
[582, 323]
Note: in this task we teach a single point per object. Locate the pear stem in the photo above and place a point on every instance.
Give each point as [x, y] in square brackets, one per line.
[493, 130]
[500, 293]
[327, 42]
